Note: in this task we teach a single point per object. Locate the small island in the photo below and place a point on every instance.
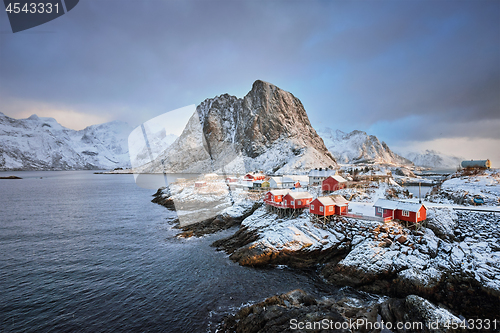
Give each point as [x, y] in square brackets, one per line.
[11, 177]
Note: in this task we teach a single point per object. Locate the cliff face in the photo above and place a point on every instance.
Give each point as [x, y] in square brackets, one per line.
[266, 130]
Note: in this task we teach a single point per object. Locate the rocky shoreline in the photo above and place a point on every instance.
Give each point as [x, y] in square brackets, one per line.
[350, 311]
[454, 261]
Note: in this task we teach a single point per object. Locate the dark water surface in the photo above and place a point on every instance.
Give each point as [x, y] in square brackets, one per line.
[90, 253]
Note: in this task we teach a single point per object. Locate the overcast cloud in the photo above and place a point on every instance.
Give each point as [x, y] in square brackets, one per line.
[410, 72]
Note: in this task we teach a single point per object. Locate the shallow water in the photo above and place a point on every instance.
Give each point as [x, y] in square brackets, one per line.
[91, 253]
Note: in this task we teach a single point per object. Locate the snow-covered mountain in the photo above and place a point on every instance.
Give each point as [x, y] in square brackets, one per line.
[38, 143]
[434, 159]
[359, 147]
[266, 130]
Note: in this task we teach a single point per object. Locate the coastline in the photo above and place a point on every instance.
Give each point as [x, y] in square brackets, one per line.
[434, 263]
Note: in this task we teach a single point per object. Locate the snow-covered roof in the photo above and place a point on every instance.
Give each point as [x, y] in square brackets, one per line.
[279, 192]
[258, 181]
[298, 178]
[339, 200]
[256, 174]
[326, 201]
[338, 178]
[277, 180]
[321, 173]
[287, 180]
[300, 195]
[390, 204]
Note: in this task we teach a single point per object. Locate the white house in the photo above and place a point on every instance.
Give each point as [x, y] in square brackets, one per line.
[317, 176]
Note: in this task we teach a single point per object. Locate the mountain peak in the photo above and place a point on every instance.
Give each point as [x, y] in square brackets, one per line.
[268, 130]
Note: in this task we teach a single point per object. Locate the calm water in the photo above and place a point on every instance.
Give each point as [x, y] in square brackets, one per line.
[91, 253]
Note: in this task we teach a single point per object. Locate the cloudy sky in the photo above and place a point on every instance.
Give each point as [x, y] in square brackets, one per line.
[418, 74]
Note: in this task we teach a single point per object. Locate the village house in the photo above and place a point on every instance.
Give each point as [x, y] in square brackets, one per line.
[303, 180]
[297, 200]
[252, 176]
[200, 184]
[257, 183]
[326, 206]
[281, 182]
[274, 197]
[405, 211]
[317, 176]
[333, 183]
[476, 164]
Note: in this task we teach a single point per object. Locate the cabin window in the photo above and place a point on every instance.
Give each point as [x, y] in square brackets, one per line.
[379, 210]
[405, 213]
[312, 207]
[299, 202]
[330, 209]
[292, 203]
[418, 214]
[285, 202]
[321, 208]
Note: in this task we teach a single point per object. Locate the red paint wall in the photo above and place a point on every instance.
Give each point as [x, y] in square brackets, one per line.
[330, 184]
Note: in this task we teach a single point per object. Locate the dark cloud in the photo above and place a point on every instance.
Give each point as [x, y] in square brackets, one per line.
[355, 65]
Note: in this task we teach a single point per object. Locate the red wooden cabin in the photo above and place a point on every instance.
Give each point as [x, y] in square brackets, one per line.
[405, 211]
[326, 206]
[255, 176]
[297, 200]
[333, 183]
[275, 196]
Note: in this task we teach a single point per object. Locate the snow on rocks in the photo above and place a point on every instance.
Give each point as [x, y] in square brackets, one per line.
[374, 191]
[442, 221]
[462, 187]
[386, 257]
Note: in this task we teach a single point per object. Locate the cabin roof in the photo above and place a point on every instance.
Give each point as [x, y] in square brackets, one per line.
[321, 173]
[279, 192]
[338, 178]
[326, 201]
[300, 195]
[401, 205]
[339, 200]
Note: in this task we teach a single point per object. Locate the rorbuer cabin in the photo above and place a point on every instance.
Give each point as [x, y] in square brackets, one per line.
[254, 176]
[333, 183]
[275, 196]
[405, 211]
[297, 200]
[326, 206]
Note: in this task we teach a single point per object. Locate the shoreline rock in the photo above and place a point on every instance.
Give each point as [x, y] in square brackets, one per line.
[347, 311]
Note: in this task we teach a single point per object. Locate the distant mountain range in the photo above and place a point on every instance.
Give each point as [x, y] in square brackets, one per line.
[434, 159]
[359, 147]
[267, 130]
[38, 143]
